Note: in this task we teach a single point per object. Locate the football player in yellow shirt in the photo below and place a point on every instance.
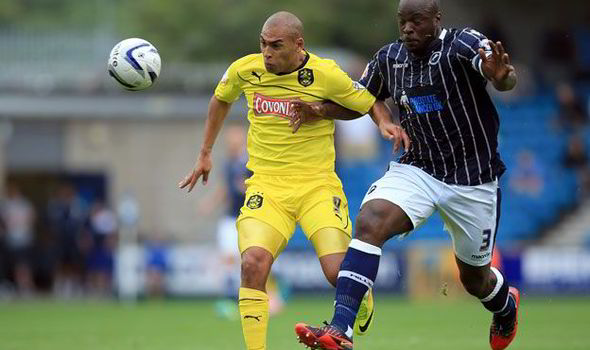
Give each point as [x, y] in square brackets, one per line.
[294, 179]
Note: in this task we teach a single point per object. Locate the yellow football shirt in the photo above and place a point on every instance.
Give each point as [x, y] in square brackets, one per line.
[272, 146]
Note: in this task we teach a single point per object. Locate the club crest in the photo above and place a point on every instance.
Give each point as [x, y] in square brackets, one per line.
[305, 76]
[435, 58]
[255, 201]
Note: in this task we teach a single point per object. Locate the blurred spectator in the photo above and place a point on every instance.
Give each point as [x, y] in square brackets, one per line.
[156, 266]
[576, 159]
[527, 178]
[582, 39]
[103, 242]
[44, 260]
[492, 29]
[558, 45]
[558, 52]
[18, 217]
[571, 112]
[67, 214]
[3, 259]
[232, 193]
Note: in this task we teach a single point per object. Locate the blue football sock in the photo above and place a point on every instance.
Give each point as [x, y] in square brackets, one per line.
[357, 274]
[499, 301]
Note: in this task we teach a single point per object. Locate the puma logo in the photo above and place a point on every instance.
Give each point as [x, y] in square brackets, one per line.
[257, 76]
[257, 318]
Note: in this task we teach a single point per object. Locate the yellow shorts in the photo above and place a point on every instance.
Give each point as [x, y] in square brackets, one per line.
[316, 202]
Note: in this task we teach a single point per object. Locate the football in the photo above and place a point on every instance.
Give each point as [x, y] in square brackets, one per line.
[134, 63]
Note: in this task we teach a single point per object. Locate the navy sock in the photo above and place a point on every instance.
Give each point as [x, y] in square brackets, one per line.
[507, 315]
[499, 301]
[357, 274]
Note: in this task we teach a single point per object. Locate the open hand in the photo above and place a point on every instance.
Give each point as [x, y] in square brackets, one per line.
[396, 134]
[496, 66]
[202, 168]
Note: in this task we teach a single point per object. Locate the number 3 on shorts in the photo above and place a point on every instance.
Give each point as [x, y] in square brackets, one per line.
[486, 240]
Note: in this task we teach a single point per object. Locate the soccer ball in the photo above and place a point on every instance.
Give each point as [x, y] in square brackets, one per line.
[134, 63]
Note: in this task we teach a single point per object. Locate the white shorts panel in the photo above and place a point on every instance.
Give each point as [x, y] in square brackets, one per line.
[470, 216]
[409, 188]
[469, 212]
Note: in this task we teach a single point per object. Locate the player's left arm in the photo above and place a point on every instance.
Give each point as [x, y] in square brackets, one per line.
[488, 58]
[497, 68]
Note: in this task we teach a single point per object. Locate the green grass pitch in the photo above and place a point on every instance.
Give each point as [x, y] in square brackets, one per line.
[546, 323]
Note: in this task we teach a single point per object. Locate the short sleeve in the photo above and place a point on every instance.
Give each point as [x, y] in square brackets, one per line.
[343, 90]
[373, 78]
[228, 89]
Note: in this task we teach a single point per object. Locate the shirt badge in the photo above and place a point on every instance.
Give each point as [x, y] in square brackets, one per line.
[305, 77]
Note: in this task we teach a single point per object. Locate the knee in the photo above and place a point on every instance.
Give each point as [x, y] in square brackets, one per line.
[380, 220]
[370, 229]
[365, 228]
[255, 267]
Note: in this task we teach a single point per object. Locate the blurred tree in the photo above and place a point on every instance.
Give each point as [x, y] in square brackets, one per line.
[227, 29]
[50, 14]
[209, 30]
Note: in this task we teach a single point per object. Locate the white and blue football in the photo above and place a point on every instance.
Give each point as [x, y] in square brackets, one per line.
[134, 63]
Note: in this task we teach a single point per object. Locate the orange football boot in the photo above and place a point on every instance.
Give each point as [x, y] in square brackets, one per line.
[327, 337]
[501, 336]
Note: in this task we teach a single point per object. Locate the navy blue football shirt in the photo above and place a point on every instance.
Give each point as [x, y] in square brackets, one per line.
[444, 106]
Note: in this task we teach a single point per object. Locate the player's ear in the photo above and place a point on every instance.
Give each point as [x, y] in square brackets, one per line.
[437, 17]
[300, 43]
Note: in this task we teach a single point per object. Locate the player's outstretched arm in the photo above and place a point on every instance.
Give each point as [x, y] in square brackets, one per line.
[331, 110]
[497, 68]
[217, 113]
[306, 112]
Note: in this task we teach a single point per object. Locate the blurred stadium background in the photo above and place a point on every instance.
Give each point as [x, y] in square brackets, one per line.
[100, 250]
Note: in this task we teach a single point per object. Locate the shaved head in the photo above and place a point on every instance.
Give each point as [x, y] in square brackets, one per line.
[285, 21]
[281, 43]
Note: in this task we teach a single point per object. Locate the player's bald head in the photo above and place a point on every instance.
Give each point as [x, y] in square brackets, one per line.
[285, 22]
[281, 43]
[429, 6]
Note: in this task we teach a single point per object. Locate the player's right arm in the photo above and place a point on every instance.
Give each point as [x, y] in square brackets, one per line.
[228, 91]
[218, 111]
